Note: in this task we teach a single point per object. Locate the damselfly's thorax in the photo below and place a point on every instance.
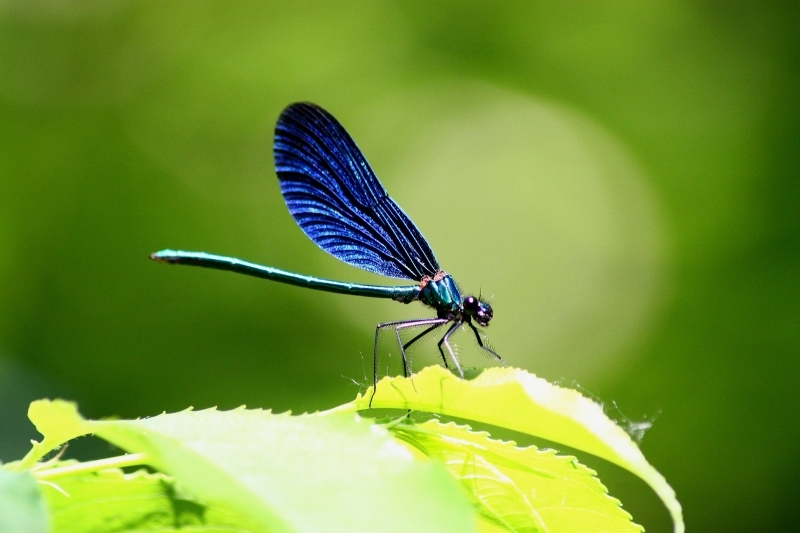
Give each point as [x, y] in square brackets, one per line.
[441, 293]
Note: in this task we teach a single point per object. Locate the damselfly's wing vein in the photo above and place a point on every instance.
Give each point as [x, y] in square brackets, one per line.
[337, 200]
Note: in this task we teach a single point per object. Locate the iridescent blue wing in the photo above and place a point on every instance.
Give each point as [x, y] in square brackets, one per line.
[334, 195]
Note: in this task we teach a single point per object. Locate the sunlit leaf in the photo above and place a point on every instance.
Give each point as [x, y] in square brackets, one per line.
[110, 501]
[287, 473]
[521, 489]
[22, 509]
[517, 400]
[59, 422]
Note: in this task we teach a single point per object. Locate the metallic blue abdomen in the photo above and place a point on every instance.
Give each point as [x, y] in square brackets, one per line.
[441, 294]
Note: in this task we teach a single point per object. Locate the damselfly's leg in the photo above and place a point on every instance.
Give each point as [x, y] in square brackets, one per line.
[378, 329]
[398, 324]
[412, 324]
[418, 337]
[446, 341]
[406, 366]
[437, 322]
[482, 345]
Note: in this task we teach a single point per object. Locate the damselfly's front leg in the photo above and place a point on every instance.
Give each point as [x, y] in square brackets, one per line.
[482, 345]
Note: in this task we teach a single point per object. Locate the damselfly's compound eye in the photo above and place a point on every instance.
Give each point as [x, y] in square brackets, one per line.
[480, 311]
[471, 305]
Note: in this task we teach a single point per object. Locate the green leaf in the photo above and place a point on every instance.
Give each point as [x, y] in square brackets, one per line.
[110, 501]
[22, 509]
[59, 422]
[521, 489]
[517, 400]
[287, 473]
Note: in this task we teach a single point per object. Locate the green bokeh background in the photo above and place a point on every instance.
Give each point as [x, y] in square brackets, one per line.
[621, 176]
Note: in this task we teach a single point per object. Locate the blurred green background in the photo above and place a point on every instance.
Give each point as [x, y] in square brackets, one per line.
[621, 176]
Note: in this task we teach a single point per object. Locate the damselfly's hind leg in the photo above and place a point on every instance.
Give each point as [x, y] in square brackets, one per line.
[483, 345]
[406, 346]
[446, 341]
[378, 329]
[398, 325]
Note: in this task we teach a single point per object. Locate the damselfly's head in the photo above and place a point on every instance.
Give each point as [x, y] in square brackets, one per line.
[477, 309]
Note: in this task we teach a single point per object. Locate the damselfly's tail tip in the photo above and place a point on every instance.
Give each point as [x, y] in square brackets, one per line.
[164, 256]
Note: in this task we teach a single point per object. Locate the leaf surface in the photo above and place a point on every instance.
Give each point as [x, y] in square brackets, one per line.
[110, 501]
[520, 401]
[22, 509]
[305, 473]
[522, 490]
